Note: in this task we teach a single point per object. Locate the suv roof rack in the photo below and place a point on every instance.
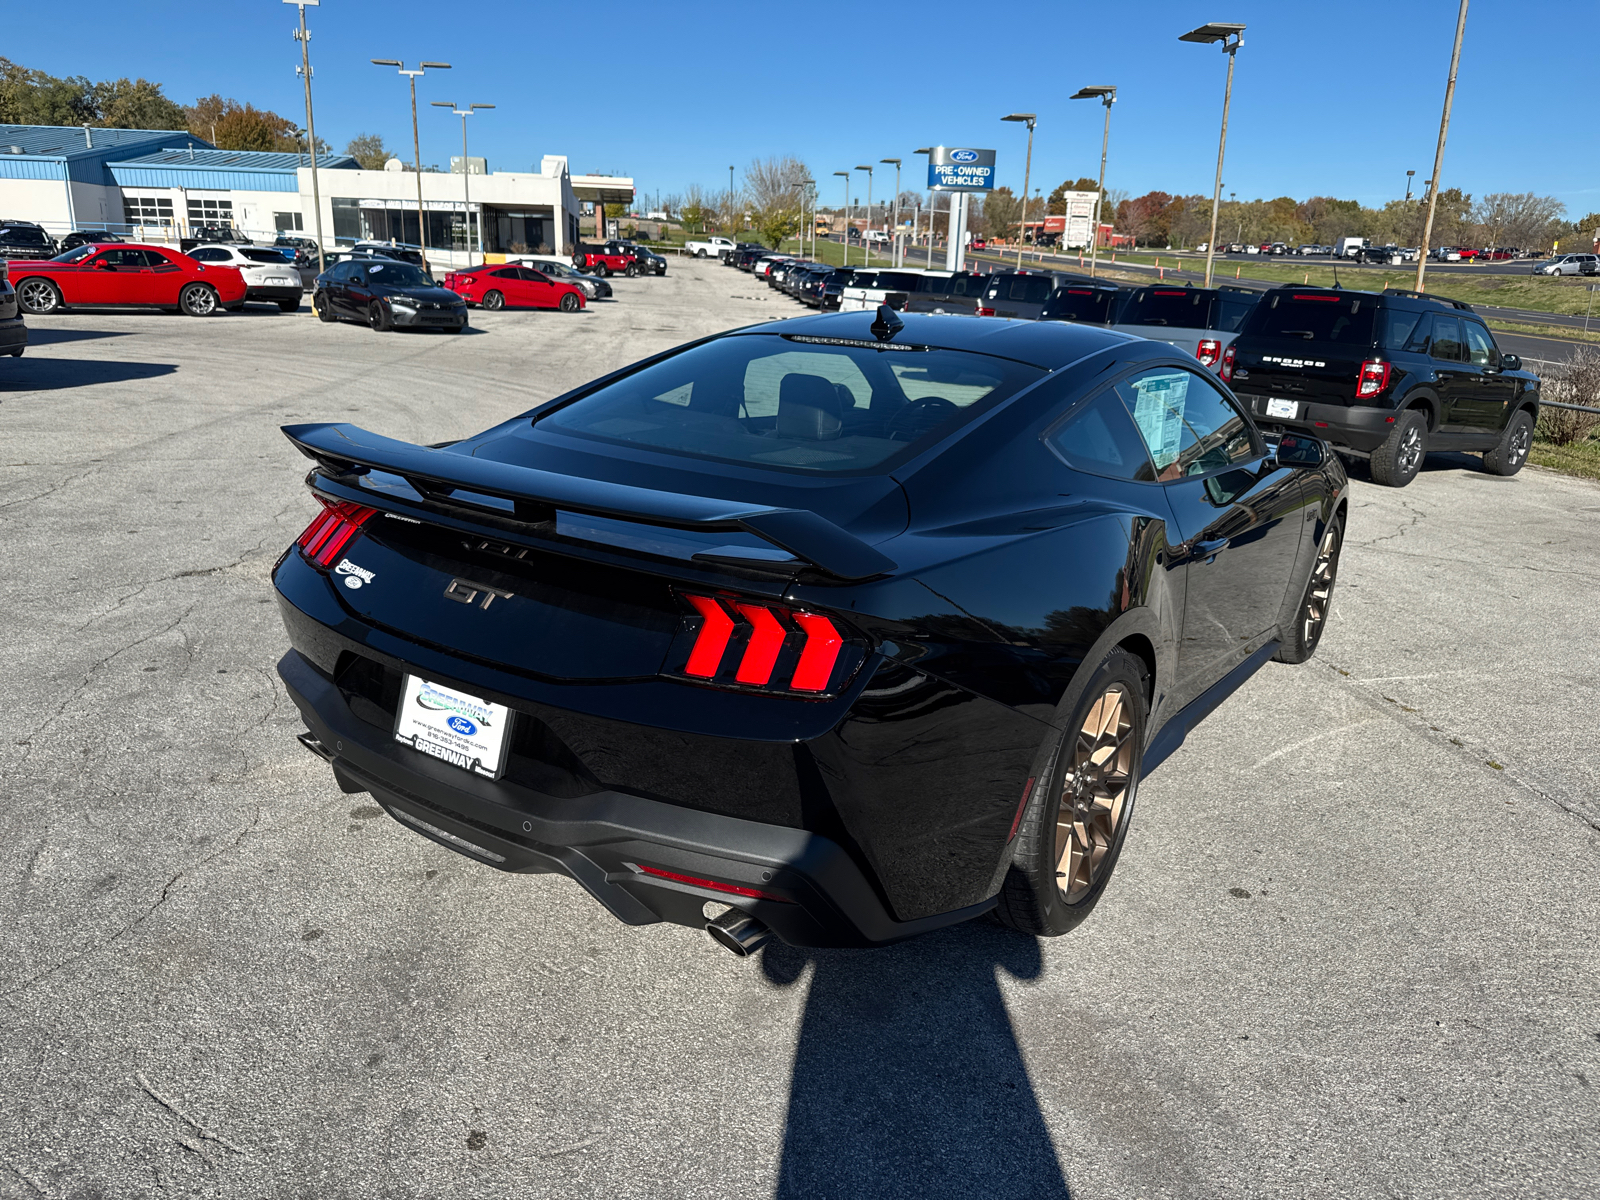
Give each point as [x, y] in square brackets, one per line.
[1407, 292]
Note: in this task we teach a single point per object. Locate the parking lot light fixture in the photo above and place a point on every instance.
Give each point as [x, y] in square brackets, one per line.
[416, 139]
[846, 234]
[866, 247]
[1438, 154]
[303, 36]
[1107, 95]
[1231, 35]
[1027, 173]
[896, 253]
[466, 172]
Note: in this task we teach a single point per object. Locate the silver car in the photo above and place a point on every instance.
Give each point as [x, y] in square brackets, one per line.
[594, 288]
[1199, 321]
[1570, 264]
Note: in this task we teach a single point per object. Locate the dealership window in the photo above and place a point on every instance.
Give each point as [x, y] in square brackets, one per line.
[288, 222]
[355, 220]
[210, 212]
[147, 210]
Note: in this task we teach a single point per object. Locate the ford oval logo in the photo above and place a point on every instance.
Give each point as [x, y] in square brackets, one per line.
[462, 726]
[963, 156]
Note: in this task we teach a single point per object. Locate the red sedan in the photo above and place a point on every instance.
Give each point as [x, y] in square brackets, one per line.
[123, 275]
[514, 287]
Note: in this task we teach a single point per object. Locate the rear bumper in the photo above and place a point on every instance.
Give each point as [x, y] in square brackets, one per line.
[274, 293]
[604, 839]
[13, 335]
[1355, 427]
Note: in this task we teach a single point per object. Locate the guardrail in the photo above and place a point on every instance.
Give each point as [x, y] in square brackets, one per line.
[1574, 407]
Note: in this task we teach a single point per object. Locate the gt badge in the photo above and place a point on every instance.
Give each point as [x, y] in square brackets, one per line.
[465, 591]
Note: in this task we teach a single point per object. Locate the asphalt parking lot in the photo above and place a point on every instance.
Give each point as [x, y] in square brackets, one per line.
[1350, 949]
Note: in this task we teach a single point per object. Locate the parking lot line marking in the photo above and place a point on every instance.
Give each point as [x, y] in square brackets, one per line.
[1315, 737]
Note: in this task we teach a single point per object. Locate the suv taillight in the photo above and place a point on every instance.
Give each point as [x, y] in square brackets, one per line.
[1374, 378]
[985, 312]
[1226, 370]
[1208, 351]
[732, 642]
[330, 532]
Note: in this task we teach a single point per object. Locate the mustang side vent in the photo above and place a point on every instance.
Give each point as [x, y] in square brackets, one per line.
[331, 530]
[758, 646]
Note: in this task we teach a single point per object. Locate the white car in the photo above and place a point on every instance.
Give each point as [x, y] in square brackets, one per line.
[268, 276]
[712, 247]
[867, 289]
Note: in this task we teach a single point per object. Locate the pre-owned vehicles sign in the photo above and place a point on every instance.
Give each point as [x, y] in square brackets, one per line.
[958, 169]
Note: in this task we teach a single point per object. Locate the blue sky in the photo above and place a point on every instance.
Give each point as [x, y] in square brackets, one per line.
[1334, 100]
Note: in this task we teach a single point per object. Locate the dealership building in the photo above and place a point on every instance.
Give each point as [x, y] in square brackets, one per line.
[159, 185]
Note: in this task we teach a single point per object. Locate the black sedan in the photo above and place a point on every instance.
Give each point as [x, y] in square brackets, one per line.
[386, 294]
[87, 237]
[843, 628]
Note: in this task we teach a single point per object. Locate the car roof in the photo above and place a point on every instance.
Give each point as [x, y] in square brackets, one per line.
[1047, 344]
[1387, 296]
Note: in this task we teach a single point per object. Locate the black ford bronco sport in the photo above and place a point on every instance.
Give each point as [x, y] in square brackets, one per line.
[1384, 376]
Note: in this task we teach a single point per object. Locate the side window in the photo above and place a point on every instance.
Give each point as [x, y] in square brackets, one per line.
[505, 273]
[1188, 425]
[1447, 339]
[1399, 327]
[149, 258]
[209, 254]
[1481, 350]
[1097, 437]
[528, 275]
[1420, 337]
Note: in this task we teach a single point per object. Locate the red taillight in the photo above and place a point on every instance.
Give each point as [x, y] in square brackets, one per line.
[986, 312]
[1159, 292]
[1330, 299]
[1374, 378]
[742, 643]
[1226, 370]
[1208, 351]
[732, 889]
[332, 529]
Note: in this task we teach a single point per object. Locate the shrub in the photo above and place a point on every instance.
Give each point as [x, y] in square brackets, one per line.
[1577, 381]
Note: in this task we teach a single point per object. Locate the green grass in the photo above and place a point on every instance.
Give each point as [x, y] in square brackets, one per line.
[1580, 458]
[1554, 332]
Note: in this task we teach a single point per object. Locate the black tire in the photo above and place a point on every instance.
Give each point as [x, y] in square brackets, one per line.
[198, 300]
[1397, 461]
[288, 306]
[700, 253]
[1302, 627]
[602, 270]
[38, 297]
[17, 353]
[494, 301]
[320, 306]
[632, 270]
[569, 303]
[1032, 898]
[1507, 458]
[378, 317]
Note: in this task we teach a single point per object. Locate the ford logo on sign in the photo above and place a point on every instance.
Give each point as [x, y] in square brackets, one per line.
[963, 156]
[462, 726]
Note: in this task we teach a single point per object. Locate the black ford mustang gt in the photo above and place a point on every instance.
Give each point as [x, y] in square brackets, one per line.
[858, 625]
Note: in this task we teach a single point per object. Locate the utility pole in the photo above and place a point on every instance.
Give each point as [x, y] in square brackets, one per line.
[466, 170]
[1438, 154]
[416, 142]
[303, 36]
[1107, 95]
[1218, 31]
[866, 245]
[846, 175]
[896, 258]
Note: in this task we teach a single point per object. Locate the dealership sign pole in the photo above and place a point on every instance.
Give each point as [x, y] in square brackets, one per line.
[959, 170]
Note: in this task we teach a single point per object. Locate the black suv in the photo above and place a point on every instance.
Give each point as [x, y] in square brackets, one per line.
[1385, 376]
[24, 239]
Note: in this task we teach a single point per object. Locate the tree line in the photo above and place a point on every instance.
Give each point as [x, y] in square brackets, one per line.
[31, 97]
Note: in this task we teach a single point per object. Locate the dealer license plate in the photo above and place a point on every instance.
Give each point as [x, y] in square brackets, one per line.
[456, 726]
[1282, 408]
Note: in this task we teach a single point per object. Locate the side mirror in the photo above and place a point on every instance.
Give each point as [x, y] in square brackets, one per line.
[101, 264]
[1296, 450]
[1510, 362]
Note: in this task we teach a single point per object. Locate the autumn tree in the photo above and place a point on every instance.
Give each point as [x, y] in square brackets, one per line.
[1518, 218]
[29, 97]
[368, 150]
[1056, 203]
[230, 125]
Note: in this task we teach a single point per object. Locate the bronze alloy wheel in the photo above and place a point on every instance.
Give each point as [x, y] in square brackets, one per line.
[1319, 593]
[1094, 791]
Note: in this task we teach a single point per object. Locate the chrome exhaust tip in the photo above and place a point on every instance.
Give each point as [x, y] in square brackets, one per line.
[739, 932]
[316, 747]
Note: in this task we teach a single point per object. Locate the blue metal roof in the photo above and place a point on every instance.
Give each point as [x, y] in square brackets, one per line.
[70, 141]
[204, 158]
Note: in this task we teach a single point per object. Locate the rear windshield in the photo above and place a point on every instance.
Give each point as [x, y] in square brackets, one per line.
[1175, 308]
[1314, 316]
[891, 281]
[1081, 304]
[264, 256]
[1026, 289]
[1231, 309]
[33, 237]
[770, 401]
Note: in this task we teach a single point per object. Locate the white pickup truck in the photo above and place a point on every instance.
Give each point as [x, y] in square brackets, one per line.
[712, 246]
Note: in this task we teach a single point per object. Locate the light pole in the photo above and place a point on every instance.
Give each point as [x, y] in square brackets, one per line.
[846, 235]
[1438, 155]
[932, 196]
[466, 172]
[1107, 95]
[303, 36]
[1027, 173]
[730, 193]
[895, 259]
[866, 251]
[1218, 31]
[416, 140]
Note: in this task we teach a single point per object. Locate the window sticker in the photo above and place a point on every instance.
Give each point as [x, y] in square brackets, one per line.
[1158, 412]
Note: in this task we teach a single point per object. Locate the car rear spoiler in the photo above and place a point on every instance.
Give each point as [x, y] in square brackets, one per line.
[343, 450]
